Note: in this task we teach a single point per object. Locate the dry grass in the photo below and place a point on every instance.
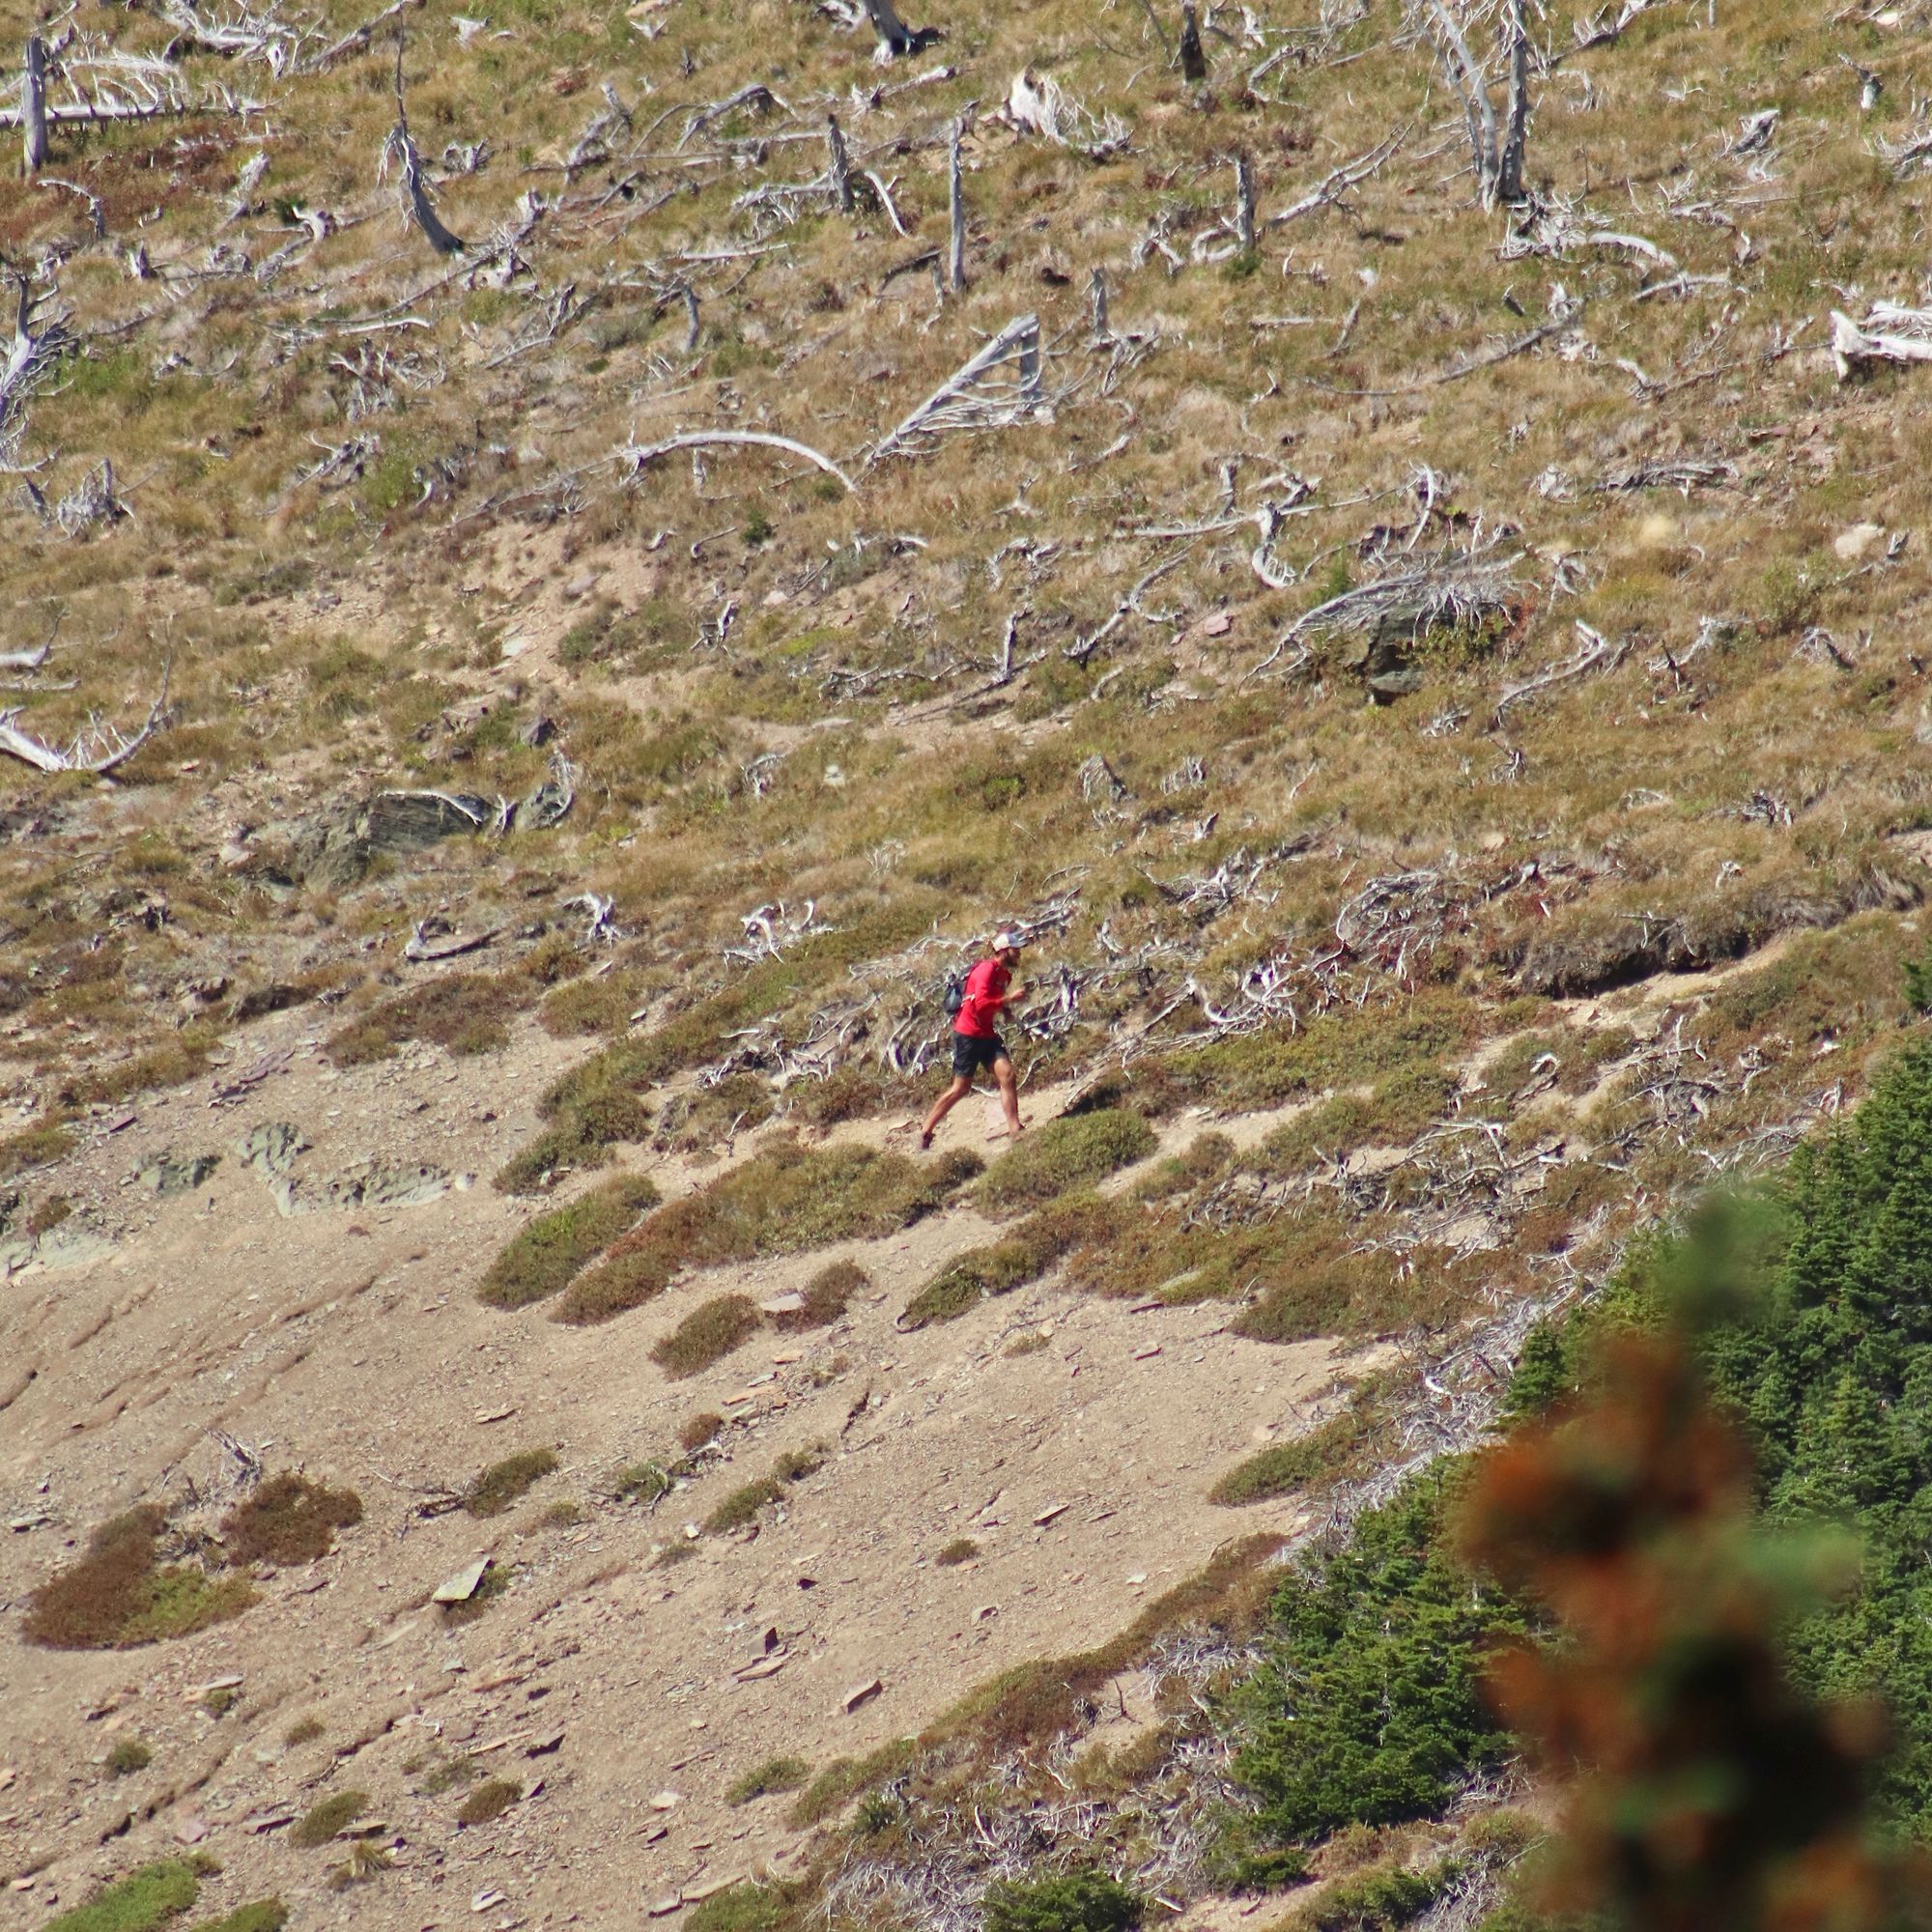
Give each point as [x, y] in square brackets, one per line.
[490, 1800]
[288, 1518]
[776, 1774]
[700, 1432]
[464, 1013]
[825, 1296]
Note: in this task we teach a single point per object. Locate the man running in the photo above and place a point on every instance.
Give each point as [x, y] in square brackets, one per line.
[976, 1037]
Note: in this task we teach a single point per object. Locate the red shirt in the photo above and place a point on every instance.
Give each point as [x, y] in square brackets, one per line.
[985, 994]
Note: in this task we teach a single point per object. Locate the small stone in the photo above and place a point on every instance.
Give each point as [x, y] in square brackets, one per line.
[663, 1908]
[666, 1801]
[461, 1587]
[861, 1693]
[1047, 1514]
[784, 1304]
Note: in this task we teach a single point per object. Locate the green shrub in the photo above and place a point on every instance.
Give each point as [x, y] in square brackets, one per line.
[706, 1335]
[774, 1775]
[288, 1519]
[1070, 1152]
[1286, 1467]
[137, 1903]
[260, 1914]
[542, 1258]
[743, 1505]
[503, 1483]
[129, 1756]
[1081, 1900]
[824, 1296]
[643, 1481]
[961, 1550]
[1380, 1902]
[1369, 1707]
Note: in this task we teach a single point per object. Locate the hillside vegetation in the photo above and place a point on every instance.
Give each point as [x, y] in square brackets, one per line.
[626, 541]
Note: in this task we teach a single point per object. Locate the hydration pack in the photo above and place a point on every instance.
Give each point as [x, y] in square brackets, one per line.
[954, 996]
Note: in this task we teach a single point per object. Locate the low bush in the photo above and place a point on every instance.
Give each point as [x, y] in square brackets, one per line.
[961, 1550]
[706, 1335]
[1039, 1241]
[503, 1483]
[542, 1258]
[461, 1014]
[325, 1819]
[824, 1296]
[774, 1775]
[120, 1594]
[743, 1505]
[1324, 1453]
[1378, 1901]
[579, 1138]
[490, 1800]
[1070, 1152]
[1081, 1900]
[129, 1756]
[304, 1731]
[787, 1200]
[703, 1429]
[288, 1519]
[260, 1914]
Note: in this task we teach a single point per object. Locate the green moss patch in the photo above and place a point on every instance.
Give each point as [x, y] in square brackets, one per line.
[152, 1896]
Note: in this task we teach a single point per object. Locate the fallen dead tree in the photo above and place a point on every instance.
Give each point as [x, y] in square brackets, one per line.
[640, 455]
[1460, 588]
[98, 747]
[1037, 104]
[1889, 333]
[998, 387]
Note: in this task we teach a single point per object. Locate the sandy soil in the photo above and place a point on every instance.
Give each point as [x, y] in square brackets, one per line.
[345, 1341]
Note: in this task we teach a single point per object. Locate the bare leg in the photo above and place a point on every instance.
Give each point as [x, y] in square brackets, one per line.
[1010, 1095]
[962, 1084]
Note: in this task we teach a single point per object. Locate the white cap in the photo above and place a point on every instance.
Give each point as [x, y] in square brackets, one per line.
[1009, 938]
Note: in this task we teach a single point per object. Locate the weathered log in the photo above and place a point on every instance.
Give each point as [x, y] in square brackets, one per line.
[34, 105]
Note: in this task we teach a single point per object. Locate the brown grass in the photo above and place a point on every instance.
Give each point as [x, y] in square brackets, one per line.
[490, 1800]
[288, 1518]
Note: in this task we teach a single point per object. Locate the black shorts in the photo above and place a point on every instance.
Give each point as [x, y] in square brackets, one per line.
[970, 1055]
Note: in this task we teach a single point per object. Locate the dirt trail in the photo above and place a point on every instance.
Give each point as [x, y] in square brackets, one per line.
[347, 1341]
